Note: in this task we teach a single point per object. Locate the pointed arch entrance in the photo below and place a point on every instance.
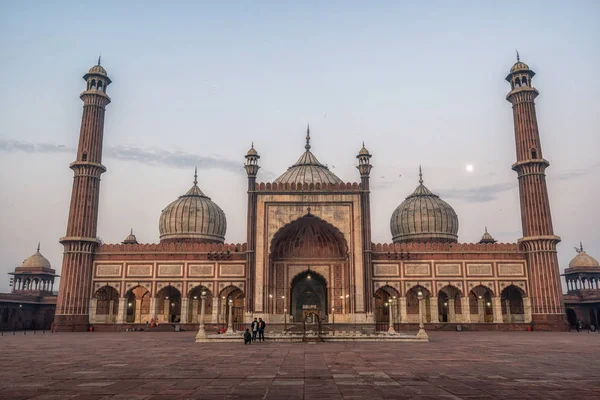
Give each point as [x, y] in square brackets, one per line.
[308, 293]
[308, 267]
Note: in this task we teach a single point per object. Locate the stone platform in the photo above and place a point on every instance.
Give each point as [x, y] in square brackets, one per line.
[314, 337]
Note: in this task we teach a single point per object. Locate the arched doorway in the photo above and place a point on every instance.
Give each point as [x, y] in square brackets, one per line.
[232, 299]
[412, 304]
[169, 304]
[480, 299]
[512, 304]
[138, 305]
[107, 305]
[593, 321]
[195, 304]
[384, 307]
[308, 266]
[449, 305]
[308, 292]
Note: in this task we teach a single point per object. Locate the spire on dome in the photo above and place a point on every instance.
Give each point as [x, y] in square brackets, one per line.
[580, 249]
[38, 249]
[518, 58]
[99, 59]
[307, 146]
[195, 176]
[131, 239]
[420, 175]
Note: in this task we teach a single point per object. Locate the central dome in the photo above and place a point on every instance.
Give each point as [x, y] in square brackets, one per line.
[424, 217]
[308, 169]
[193, 217]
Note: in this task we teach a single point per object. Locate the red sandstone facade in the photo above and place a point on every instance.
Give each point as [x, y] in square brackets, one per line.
[309, 241]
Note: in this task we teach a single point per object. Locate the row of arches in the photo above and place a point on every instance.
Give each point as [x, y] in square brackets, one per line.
[583, 282]
[35, 283]
[520, 81]
[139, 306]
[96, 85]
[451, 305]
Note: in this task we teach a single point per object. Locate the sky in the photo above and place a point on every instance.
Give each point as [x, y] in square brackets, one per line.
[195, 83]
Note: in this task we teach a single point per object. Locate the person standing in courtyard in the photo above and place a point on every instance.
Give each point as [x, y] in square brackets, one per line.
[254, 329]
[247, 337]
[261, 330]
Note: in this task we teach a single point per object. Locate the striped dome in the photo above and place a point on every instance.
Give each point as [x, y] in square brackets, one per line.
[193, 217]
[424, 217]
[308, 169]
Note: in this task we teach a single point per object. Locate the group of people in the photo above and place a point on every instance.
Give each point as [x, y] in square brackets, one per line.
[258, 328]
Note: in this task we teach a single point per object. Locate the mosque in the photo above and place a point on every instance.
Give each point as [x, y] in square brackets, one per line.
[309, 255]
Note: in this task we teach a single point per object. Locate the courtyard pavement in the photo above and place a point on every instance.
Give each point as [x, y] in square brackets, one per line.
[454, 365]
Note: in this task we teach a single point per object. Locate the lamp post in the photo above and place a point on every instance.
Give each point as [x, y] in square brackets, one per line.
[230, 318]
[284, 314]
[333, 318]
[222, 311]
[421, 334]
[391, 312]
[201, 332]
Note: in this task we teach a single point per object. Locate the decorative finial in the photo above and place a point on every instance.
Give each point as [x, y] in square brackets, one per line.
[195, 176]
[580, 248]
[38, 250]
[131, 231]
[307, 147]
[363, 143]
[486, 230]
[420, 175]
[99, 58]
[252, 145]
[308, 210]
[518, 58]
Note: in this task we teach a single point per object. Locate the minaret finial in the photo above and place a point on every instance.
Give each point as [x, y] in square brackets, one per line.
[307, 147]
[420, 175]
[99, 58]
[196, 176]
[518, 58]
[131, 231]
[486, 230]
[38, 250]
[252, 144]
[580, 246]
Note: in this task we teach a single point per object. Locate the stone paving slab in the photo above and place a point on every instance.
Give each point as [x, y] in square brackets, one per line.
[170, 365]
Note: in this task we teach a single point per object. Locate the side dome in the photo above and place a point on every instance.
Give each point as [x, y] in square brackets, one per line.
[36, 262]
[424, 217]
[583, 260]
[193, 217]
[130, 239]
[308, 169]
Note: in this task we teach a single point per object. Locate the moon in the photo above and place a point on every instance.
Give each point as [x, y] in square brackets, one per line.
[469, 167]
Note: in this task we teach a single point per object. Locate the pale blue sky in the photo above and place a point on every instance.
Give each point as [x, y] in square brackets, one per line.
[194, 83]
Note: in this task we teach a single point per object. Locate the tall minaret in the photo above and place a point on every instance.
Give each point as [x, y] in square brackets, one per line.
[538, 238]
[364, 168]
[252, 168]
[81, 241]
